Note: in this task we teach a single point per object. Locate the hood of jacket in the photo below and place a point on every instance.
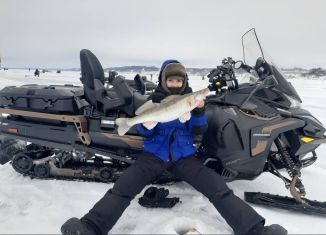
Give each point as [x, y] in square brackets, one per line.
[172, 68]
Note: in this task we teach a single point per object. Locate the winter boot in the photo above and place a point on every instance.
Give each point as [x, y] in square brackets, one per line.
[75, 226]
[273, 229]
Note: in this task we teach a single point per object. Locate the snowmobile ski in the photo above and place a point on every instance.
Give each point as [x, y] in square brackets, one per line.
[311, 207]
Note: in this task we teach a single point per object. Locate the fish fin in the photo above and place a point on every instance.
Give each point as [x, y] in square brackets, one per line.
[169, 98]
[149, 125]
[185, 117]
[146, 106]
[123, 126]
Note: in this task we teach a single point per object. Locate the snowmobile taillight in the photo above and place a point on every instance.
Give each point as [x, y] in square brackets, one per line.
[12, 130]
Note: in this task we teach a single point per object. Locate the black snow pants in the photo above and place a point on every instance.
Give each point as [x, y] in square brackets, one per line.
[106, 212]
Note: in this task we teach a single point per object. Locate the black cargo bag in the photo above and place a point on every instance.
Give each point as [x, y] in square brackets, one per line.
[56, 99]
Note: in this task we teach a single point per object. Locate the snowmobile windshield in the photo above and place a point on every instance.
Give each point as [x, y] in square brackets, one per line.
[252, 51]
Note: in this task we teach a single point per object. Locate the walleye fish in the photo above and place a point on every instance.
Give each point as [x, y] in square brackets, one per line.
[171, 108]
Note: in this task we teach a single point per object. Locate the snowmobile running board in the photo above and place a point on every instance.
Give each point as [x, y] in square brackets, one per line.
[288, 203]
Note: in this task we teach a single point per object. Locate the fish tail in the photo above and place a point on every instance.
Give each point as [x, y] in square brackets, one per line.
[123, 126]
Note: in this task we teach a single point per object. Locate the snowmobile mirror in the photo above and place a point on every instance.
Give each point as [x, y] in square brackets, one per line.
[238, 64]
[259, 63]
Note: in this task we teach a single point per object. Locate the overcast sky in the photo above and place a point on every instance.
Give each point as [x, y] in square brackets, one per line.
[50, 33]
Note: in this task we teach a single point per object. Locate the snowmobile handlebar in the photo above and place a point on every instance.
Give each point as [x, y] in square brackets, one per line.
[223, 77]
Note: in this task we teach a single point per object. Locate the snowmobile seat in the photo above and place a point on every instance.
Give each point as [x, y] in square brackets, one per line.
[121, 96]
[93, 81]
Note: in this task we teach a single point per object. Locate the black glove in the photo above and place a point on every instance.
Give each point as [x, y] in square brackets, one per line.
[198, 111]
[157, 198]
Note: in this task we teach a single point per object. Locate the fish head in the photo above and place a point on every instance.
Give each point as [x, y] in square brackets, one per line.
[190, 101]
[195, 97]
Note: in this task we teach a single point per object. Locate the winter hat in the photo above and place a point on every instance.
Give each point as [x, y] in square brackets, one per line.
[172, 69]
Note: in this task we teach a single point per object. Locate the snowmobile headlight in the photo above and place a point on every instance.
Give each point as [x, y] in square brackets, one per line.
[294, 102]
[307, 139]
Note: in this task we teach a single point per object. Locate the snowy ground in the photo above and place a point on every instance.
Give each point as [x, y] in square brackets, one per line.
[33, 206]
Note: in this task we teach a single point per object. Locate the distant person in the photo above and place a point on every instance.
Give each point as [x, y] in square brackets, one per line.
[36, 73]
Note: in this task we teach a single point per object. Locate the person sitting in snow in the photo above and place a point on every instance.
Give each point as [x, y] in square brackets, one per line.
[169, 146]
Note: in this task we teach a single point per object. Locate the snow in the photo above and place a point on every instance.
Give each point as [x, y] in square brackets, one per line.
[33, 206]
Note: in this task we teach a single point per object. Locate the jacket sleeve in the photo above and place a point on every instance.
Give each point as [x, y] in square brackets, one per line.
[198, 121]
[143, 130]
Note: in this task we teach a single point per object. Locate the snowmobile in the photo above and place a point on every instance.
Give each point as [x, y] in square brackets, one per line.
[254, 126]
[257, 125]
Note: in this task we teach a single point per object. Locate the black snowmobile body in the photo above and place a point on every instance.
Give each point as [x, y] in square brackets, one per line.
[258, 125]
[243, 136]
[72, 120]
[70, 132]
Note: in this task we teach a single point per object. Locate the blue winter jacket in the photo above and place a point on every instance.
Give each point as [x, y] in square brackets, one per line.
[163, 143]
[172, 140]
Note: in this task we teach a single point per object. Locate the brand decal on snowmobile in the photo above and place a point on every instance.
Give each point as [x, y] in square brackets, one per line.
[261, 134]
[232, 162]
